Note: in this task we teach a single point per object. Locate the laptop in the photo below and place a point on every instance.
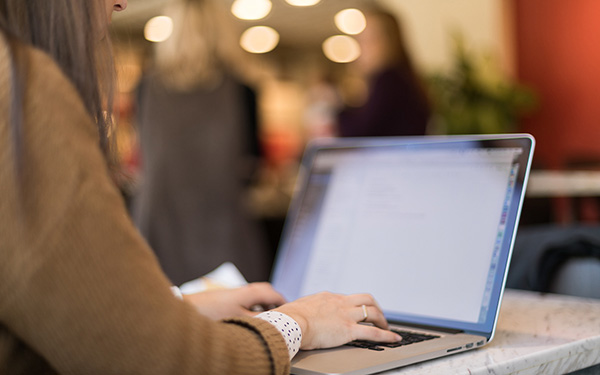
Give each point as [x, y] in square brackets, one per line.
[424, 224]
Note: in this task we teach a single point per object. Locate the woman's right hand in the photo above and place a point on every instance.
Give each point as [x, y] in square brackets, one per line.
[329, 320]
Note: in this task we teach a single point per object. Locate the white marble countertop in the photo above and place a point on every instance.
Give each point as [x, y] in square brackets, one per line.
[537, 334]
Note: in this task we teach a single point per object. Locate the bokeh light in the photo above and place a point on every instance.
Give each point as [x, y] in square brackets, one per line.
[341, 48]
[251, 9]
[158, 29]
[302, 3]
[350, 21]
[259, 39]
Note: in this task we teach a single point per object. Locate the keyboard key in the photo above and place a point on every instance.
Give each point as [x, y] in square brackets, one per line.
[407, 339]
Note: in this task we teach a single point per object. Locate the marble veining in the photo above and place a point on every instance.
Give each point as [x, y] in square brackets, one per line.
[536, 334]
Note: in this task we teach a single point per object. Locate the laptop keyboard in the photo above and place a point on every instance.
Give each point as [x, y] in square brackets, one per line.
[407, 339]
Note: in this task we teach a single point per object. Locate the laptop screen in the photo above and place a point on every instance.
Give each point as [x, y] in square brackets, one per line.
[426, 225]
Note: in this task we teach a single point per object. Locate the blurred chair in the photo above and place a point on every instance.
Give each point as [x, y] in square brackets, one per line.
[557, 259]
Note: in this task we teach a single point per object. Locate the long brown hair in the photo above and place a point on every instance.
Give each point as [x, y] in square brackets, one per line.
[393, 32]
[398, 54]
[71, 32]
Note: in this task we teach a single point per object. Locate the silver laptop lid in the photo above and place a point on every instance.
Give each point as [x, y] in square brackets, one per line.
[425, 224]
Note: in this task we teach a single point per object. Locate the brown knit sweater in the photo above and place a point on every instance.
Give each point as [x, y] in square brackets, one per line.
[80, 291]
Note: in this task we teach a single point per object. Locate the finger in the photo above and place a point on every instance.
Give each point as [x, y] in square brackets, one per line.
[362, 313]
[366, 332]
[375, 316]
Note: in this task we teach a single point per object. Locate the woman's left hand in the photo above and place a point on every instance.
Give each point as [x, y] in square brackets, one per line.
[229, 303]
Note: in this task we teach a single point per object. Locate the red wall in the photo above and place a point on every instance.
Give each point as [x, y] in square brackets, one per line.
[558, 55]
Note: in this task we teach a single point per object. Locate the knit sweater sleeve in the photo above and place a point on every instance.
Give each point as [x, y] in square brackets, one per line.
[79, 287]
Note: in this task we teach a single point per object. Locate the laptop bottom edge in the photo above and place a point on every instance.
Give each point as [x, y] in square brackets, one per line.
[348, 360]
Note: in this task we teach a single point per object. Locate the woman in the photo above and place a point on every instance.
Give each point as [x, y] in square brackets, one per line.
[396, 103]
[80, 291]
[196, 123]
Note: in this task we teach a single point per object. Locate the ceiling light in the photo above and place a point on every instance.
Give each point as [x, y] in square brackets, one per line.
[251, 9]
[302, 3]
[259, 39]
[158, 29]
[341, 48]
[350, 21]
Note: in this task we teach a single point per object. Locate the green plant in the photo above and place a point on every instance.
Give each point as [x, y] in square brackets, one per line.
[473, 98]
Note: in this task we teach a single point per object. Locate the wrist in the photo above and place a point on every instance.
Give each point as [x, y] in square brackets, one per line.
[287, 327]
[298, 317]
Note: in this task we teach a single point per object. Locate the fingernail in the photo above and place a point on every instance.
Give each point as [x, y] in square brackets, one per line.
[398, 337]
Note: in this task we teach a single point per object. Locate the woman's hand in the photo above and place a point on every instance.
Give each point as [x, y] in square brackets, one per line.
[329, 320]
[229, 303]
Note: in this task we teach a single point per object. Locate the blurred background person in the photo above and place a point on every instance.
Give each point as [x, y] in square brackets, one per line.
[197, 124]
[395, 102]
